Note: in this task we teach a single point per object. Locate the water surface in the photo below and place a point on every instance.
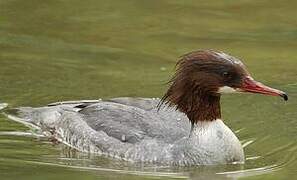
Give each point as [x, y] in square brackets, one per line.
[56, 50]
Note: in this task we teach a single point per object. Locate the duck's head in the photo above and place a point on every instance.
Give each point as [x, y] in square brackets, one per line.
[202, 76]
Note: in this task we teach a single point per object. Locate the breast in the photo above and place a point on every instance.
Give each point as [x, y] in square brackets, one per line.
[212, 142]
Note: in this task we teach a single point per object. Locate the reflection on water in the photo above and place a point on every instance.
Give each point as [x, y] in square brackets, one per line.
[55, 50]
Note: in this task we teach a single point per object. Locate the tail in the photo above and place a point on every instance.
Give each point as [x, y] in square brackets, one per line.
[25, 113]
[21, 115]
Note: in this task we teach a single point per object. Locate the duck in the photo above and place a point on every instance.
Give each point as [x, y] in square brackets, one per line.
[182, 128]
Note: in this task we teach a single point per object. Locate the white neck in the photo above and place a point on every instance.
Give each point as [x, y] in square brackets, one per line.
[207, 128]
[216, 139]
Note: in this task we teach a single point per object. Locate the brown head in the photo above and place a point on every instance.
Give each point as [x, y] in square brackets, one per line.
[202, 76]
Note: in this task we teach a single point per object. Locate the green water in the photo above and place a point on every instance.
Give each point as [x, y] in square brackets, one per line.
[54, 50]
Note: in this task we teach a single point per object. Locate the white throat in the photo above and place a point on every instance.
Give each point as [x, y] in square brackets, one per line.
[226, 90]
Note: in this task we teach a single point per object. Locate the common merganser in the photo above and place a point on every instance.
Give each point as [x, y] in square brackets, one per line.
[183, 128]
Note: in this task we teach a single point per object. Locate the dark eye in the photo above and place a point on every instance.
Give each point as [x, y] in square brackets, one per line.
[226, 74]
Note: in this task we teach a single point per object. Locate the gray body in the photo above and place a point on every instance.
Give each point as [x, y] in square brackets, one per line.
[133, 129]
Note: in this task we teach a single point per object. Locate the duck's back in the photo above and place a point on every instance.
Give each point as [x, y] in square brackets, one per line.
[132, 120]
